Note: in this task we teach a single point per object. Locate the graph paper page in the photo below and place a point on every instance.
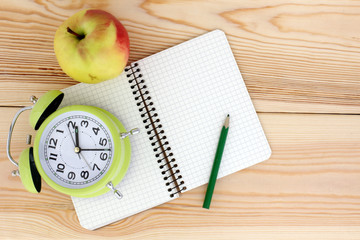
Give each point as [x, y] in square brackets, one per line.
[194, 86]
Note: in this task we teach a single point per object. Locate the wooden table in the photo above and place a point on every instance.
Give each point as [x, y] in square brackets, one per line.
[301, 64]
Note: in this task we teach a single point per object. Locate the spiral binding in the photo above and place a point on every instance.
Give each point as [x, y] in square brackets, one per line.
[165, 158]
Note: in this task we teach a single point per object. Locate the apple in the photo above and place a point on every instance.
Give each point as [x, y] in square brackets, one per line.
[92, 46]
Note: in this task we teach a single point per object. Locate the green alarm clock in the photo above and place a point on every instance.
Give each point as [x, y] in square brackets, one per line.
[82, 151]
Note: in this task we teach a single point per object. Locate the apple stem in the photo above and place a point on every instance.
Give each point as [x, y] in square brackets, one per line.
[74, 33]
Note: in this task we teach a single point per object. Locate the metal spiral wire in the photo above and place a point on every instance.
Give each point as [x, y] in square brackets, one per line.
[161, 147]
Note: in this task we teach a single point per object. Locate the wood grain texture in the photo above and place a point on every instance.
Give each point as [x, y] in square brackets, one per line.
[300, 61]
[310, 184]
[303, 54]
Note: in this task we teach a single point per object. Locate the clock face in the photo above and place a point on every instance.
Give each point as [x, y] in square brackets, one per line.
[76, 149]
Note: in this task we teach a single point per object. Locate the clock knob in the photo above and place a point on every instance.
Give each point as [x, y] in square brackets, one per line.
[117, 193]
[131, 132]
[33, 99]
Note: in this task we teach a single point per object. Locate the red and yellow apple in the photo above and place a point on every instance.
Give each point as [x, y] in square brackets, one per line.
[92, 46]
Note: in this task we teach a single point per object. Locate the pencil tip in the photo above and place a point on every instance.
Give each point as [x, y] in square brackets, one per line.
[227, 120]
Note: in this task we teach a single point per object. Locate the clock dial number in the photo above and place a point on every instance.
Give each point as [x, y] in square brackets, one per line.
[53, 143]
[96, 130]
[71, 175]
[84, 174]
[60, 168]
[53, 156]
[103, 156]
[71, 124]
[103, 141]
[95, 166]
[84, 123]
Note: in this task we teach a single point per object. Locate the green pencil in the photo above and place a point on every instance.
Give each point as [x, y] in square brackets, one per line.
[216, 164]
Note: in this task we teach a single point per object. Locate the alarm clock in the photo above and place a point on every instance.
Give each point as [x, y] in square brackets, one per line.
[82, 151]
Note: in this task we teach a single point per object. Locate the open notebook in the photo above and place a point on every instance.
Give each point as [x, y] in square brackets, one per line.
[193, 86]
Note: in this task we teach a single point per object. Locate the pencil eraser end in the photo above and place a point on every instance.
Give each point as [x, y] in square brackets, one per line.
[206, 207]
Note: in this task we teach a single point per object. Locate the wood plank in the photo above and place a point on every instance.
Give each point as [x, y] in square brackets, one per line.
[295, 57]
[308, 189]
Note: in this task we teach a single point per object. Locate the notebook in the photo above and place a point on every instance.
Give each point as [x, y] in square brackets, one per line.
[188, 89]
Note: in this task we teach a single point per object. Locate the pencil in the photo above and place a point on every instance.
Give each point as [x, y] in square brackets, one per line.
[216, 164]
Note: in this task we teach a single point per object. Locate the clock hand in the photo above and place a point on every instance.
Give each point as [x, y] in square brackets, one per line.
[82, 157]
[96, 149]
[77, 147]
[71, 135]
[77, 137]
[72, 138]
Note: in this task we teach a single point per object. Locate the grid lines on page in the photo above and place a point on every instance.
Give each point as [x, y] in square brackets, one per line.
[195, 86]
